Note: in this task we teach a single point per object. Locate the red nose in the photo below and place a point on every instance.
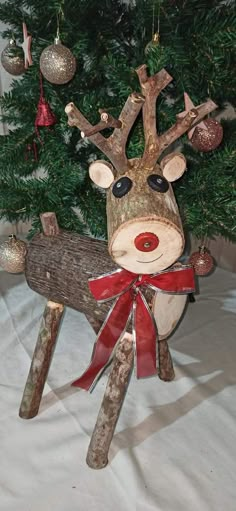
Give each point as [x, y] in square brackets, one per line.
[146, 242]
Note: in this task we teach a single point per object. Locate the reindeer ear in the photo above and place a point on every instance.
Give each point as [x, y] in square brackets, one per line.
[102, 173]
[173, 166]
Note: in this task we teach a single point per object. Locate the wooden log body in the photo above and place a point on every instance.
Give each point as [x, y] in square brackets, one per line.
[58, 267]
[144, 210]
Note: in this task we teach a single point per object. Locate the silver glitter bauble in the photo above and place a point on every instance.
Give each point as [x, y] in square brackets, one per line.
[57, 63]
[12, 255]
[12, 59]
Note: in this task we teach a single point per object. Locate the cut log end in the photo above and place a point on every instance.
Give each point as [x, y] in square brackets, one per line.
[102, 173]
[69, 108]
[96, 460]
[173, 166]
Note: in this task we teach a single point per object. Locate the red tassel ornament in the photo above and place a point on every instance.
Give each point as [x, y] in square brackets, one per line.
[45, 116]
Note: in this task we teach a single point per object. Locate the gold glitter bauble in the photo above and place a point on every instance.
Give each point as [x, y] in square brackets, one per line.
[57, 63]
[12, 255]
[202, 261]
[12, 59]
[207, 139]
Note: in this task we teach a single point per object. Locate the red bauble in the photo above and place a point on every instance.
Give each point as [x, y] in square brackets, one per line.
[207, 139]
[202, 261]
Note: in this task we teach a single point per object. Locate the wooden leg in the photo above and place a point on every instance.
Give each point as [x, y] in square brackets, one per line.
[41, 360]
[166, 371]
[117, 384]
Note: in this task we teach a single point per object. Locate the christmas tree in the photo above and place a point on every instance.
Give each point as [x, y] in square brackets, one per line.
[46, 169]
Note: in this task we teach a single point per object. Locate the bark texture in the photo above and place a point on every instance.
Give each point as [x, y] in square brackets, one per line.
[151, 88]
[41, 360]
[49, 224]
[166, 371]
[118, 381]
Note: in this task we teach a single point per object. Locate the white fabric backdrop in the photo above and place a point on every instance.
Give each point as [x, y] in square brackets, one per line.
[175, 443]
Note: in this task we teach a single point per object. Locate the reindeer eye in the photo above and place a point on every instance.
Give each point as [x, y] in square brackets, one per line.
[158, 183]
[122, 187]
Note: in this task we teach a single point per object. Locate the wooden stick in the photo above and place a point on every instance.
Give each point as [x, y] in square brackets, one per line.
[45, 345]
[49, 224]
[107, 121]
[128, 116]
[117, 384]
[41, 360]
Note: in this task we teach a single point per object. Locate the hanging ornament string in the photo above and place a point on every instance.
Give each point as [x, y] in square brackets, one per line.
[155, 33]
[60, 15]
[172, 33]
[153, 19]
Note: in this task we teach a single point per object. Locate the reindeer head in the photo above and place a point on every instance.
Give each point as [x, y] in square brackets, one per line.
[145, 233]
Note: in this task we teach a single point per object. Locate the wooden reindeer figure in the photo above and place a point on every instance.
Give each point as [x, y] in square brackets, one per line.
[145, 239]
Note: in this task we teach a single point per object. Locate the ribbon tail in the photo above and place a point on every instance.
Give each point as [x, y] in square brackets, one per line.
[145, 337]
[112, 329]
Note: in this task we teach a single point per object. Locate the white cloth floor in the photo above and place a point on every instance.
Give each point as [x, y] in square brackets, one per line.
[175, 444]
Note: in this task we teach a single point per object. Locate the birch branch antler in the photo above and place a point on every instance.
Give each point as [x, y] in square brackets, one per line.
[114, 146]
[151, 88]
[154, 144]
[182, 125]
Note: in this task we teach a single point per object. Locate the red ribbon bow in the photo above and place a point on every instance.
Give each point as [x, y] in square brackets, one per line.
[126, 288]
